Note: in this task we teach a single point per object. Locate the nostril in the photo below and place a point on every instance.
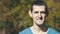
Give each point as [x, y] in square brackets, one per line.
[41, 17]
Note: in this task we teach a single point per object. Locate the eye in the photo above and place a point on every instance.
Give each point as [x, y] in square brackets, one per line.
[43, 12]
[36, 12]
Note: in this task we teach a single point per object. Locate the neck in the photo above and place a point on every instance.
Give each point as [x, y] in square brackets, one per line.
[40, 27]
[35, 27]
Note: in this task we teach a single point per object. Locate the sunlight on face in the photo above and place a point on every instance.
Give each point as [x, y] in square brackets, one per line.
[38, 14]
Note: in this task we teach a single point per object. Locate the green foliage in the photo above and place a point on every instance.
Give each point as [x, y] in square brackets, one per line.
[19, 10]
[54, 14]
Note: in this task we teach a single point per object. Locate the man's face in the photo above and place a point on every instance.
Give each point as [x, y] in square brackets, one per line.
[38, 14]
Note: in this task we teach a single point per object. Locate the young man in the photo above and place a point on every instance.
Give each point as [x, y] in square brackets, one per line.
[39, 13]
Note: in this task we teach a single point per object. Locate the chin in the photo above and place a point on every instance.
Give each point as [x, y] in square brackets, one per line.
[39, 23]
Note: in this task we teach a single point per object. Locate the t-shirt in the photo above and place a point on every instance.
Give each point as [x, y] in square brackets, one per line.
[28, 31]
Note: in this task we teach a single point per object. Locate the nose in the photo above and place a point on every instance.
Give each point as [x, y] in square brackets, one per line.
[39, 14]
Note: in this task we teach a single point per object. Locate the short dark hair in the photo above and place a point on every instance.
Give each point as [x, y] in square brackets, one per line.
[40, 3]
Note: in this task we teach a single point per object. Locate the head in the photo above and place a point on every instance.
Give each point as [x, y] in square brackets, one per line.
[38, 12]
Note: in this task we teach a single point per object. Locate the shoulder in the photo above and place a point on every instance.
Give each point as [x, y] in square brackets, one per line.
[26, 31]
[52, 31]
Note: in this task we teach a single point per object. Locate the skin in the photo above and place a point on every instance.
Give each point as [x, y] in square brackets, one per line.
[38, 15]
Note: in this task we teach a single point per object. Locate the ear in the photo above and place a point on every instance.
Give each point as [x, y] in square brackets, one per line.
[30, 13]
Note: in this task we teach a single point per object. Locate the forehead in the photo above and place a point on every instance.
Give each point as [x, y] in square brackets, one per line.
[38, 7]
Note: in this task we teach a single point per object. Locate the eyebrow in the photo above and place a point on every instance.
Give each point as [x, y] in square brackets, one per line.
[36, 12]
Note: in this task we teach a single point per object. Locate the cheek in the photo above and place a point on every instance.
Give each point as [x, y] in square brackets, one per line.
[35, 16]
[44, 15]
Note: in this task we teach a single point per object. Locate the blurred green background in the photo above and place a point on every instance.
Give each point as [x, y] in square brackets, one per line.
[14, 15]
